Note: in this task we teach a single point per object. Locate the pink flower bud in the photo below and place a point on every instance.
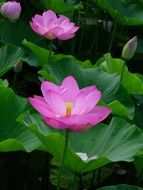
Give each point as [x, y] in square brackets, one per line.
[50, 26]
[11, 10]
[129, 49]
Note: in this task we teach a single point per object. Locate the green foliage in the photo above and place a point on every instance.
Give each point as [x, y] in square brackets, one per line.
[101, 29]
[112, 66]
[86, 74]
[107, 83]
[54, 5]
[16, 32]
[9, 56]
[1, 1]
[103, 144]
[41, 54]
[4, 83]
[68, 181]
[121, 187]
[13, 135]
[124, 12]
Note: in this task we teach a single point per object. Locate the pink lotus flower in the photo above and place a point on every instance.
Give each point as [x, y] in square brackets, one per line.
[50, 26]
[68, 107]
[11, 10]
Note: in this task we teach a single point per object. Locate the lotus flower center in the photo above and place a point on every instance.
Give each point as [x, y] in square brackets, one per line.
[50, 36]
[69, 106]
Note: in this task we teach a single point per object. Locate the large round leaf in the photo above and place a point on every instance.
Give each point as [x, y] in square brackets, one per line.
[13, 135]
[64, 65]
[86, 74]
[92, 149]
[41, 54]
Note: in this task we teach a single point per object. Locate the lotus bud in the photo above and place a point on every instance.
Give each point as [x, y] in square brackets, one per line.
[129, 48]
[18, 67]
[11, 10]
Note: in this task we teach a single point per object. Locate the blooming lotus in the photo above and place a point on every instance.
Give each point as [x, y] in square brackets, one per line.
[50, 26]
[68, 107]
[11, 10]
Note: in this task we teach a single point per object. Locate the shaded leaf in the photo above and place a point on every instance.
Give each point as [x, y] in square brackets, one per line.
[126, 13]
[13, 135]
[41, 54]
[9, 56]
[131, 82]
[63, 66]
[16, 32]
[121, 187]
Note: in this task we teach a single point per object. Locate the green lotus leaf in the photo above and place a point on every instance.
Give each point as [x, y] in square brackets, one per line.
[13, 135]
[9, 56]
[102, 144]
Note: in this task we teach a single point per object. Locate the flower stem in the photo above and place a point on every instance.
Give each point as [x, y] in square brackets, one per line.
[92, 180]
[122, 72]
[140, 177]
[99, 176]
[75, 19]
[63, 159]
[14, 80]
[81, 182]
[112, 36]
[83, 27]
[50, 52]
[46, 173]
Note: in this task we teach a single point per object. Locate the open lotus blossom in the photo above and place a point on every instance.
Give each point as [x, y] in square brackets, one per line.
[11, 10]
[50, 26]
[68, 107]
